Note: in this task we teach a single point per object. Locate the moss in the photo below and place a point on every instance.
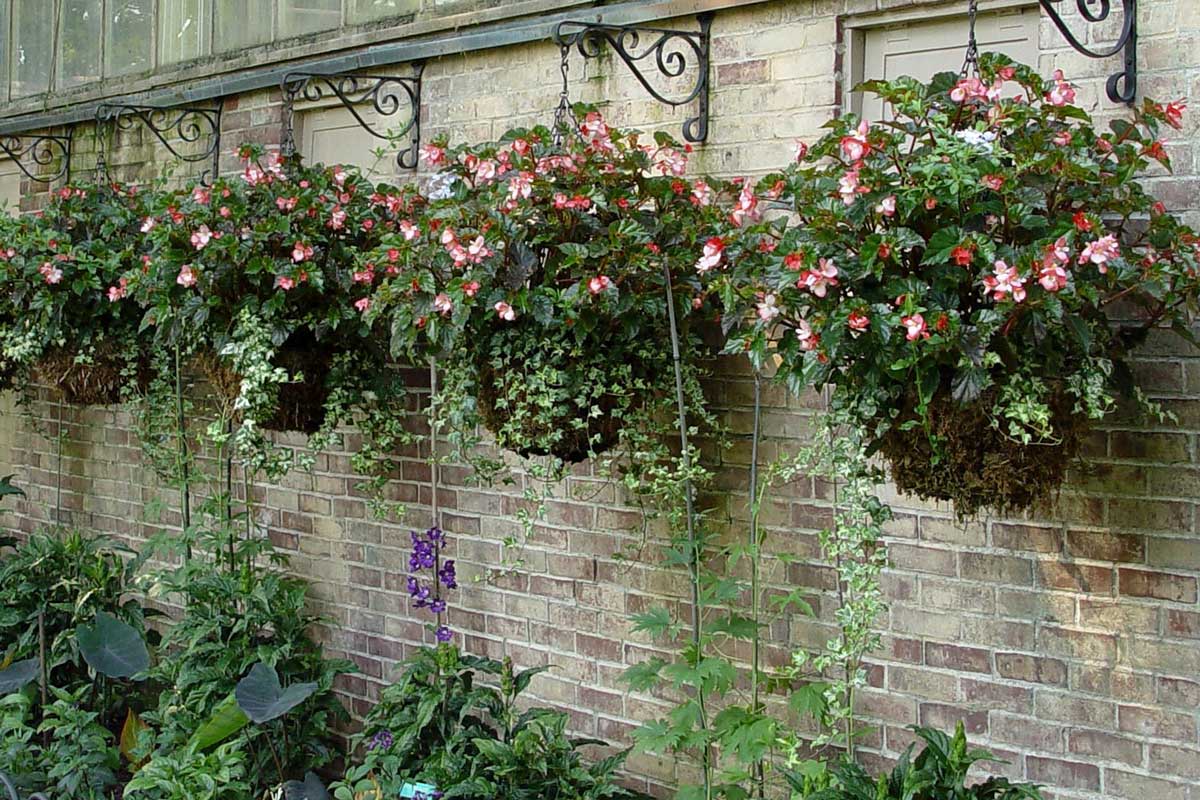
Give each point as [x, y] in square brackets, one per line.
[966, 459]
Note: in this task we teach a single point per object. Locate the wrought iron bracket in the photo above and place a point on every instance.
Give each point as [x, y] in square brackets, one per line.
[387, 95]
[1121, 86]
[43, 150]
[670, 52]
[189, 124]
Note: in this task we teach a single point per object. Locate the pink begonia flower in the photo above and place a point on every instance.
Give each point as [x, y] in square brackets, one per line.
[364, 275]
[711, 258]
[970, 88]
[1052, 277]
[117, 292]
[478, 249]
[818, 280]
[408, 230]
[669, 161]
[1062, 93]
[285, 282]
[1063, 138]
[993, 182]
[801, 150]
[148, 224]
[449, 237]
[433, 155]
[745, 208]
[224, 211]
[286, 203]
[887, 206]
[442, 303]
[301, 251]
[505, 311]
[520, 146]
[201, 237]
[337, 218]
[599, 284]
[1004, 281]
[186, 277]
[849, 188]
[362, 304]
[702, 194]
[201, 195]
[50, 273]
[858, 321]
[914, 327]
[1173, 113]
[768, 308]
[471, 288]
[339, 176]
[808, 339]
[855, 146]
[485, 171]
[520, 186]
[1100, 252]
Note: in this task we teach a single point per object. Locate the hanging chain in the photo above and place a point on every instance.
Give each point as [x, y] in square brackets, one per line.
[563, 115]
[101, 140]
[970, 65]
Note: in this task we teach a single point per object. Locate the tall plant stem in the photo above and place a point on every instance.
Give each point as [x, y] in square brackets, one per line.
[185, 493]
[841, 588]
[693, 543]
[755, 544]
[434, 482]
[58, 465]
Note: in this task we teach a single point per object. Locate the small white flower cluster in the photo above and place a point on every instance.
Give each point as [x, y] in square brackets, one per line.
[982, 140]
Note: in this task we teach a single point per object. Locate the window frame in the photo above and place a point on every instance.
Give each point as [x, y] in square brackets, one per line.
[856, 26]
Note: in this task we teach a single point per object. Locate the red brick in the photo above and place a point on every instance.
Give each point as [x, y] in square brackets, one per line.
[1161, 586]
[1106, 546]
[1067, 774]
[1031, 669]
[1073, 577]
[945, 717]
[1157, 722]
[1119, 783]
[744, 72]
[963, 659]
[1105, 746]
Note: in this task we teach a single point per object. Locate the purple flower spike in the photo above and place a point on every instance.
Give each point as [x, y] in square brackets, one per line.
[381, 740]
[443, 634]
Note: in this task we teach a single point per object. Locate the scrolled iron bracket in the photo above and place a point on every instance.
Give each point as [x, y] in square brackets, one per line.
[1121, 86]
[43, 150]
[671, 52]
[188, 124]
[387, 95]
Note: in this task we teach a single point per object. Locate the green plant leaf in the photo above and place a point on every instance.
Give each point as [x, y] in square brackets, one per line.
[263, 699]
[226, 720]
[129, 738]
[112, 647]
[310, 788]
[15, 676]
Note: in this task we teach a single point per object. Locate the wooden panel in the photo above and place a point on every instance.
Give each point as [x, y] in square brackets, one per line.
[922, 49]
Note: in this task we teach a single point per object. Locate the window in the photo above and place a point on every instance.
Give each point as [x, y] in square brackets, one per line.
[298, 17]
[33, 50]
[367, 10]
[184, 30]
[922, 47]
[242, 23]
[129, 37]
[5, 39]
[81, 29]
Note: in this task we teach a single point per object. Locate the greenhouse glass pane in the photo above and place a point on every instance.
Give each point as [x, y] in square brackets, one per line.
[130, 36]
[242, 23]
[298, 17]
[33, 28]
[184, 30]
[367, 10]
[79, 51]
[5, 50]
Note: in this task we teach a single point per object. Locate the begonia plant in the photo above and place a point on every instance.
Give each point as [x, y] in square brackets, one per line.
[63, 271]
[969, 274]
[536, 270]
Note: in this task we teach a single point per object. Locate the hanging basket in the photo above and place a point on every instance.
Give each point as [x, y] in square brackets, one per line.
[300, 405]
[98, 383]
[540, 398]
[974, 464]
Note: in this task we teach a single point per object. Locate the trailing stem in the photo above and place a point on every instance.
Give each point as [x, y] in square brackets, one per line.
[693, 543]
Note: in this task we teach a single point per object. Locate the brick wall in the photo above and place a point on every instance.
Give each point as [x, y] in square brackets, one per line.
[1069, 641]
